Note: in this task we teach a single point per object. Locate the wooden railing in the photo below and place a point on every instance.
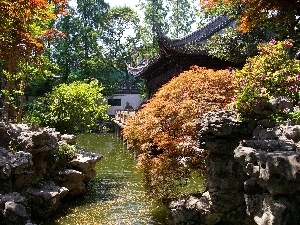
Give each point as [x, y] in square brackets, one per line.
[122, 115]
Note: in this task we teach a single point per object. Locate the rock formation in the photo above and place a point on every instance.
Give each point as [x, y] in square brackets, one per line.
[252, 177]
[34, 177]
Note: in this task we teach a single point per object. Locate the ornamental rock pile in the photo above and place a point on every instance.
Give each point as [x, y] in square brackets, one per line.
[34, 178]
[253, 174]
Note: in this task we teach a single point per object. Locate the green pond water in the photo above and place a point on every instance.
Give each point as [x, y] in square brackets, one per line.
[116, 195]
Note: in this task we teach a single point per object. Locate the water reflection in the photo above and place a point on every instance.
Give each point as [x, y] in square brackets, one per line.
[115, 196]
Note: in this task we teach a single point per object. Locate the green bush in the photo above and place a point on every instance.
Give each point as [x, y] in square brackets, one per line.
[67, 151]
[70, 108]
[270, 74]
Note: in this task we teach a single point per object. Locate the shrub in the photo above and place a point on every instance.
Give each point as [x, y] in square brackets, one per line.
[67, 151]
[163, 133]
[70, 108]
[270, 74]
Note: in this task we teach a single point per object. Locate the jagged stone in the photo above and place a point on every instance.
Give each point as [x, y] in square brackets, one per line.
[281, 103]
[28, 160]
[185, 211]
[270, 145]
[46, 200]
[14, 213]
[262, 133]
[251, 186]
[72, 180]
[266, 209]
[13, 209]
[36, 141]
[85, 163]
[277, 172]
[263, 189]
[292, 132]
[69, 139]
[224, 174]
[266, 123]
[13, 197]
[221, 123]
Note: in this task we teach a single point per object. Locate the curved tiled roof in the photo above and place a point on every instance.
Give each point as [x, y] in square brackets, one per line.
[187, 45]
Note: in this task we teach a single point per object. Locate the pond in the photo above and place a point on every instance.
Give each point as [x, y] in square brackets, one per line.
[115, 196]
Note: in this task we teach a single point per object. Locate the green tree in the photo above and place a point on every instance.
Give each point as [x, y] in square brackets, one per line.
[117, 44]
[173, 18]
[62, 51]
[79, 54]
[71, 108]
[182, 18]
[91, 16]
[155, 15]
[234, 46]
[96, 45]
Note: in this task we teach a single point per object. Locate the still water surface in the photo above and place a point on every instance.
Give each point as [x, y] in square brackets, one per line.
[115, 196]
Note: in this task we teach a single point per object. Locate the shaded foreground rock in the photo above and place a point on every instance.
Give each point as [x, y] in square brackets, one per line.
[34, 177]
[253, 174]
[13, 207]
[45, 200]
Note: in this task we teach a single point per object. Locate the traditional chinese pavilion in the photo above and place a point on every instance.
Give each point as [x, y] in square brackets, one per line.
[178, 55]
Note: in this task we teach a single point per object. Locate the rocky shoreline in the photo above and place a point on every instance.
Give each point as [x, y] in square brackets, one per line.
[252, 175]
[34, 176]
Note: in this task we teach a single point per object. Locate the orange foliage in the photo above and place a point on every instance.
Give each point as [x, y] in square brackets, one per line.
[22, 23]
[163, 133]
[18, 40]
[255, 12]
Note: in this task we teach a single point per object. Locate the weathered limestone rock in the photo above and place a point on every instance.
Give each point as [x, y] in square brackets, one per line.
[36, 141]
[5, 172]
[85, 163]
[29, 164]
[72, 180]
[277, 172]
[21, 169]
[13, 209]
[268, 209]
[4, 136]
[253, 173]
[281, 103]
[292, 133]
[15, 170]
[223, 202]
[69, 139]
[45, 200]
[185, 210]
[14, 213]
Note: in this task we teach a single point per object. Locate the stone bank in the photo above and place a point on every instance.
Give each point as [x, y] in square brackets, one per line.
[253, 174]
[34, 177]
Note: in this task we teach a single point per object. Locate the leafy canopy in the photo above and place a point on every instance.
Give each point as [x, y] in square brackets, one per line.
[163, 133]
[270, 74]
[252, 13]
[71, 108]
[24, 25]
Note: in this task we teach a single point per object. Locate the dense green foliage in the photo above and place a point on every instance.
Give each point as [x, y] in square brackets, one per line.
[67, 151]
[234, 46]
[163, 133]
[70, 108]
[173, 18]
[270, 74]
